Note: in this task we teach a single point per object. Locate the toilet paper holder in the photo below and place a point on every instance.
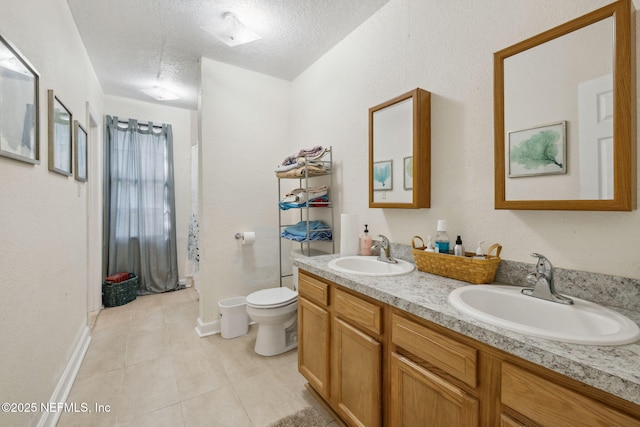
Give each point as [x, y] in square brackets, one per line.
[246, 237]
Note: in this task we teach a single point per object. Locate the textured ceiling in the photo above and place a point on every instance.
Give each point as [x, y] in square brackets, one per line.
[133, 44]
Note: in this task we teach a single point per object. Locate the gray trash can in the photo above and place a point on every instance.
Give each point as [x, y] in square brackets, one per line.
[234, 320]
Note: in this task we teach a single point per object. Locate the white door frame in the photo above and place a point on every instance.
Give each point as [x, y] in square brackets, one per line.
[94, 212]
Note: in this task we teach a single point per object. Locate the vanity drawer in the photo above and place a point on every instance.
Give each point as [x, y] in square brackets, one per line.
[360, 312]
[313, 289]
[452, 357]
[547, 403]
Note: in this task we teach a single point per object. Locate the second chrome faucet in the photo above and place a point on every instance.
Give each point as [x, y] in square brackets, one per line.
[542, 281]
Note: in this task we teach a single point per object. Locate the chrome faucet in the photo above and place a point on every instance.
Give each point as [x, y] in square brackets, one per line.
[385, 250]
[542, 281]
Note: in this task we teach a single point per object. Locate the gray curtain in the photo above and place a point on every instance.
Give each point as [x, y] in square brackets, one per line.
[140, 204]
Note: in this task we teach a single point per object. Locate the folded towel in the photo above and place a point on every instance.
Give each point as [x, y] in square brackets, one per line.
[300, 172]
[300, 229]
[315, 152]
[318, 230]
[117, 278]
[322, 201]
[324, 235]
[302, 197]
[309, 189]
[284, 168]
[319, 202]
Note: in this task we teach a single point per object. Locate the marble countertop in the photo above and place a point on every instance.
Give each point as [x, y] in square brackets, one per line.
[614, 369]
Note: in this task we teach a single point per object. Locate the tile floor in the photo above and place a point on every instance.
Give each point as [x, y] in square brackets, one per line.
[148, 364]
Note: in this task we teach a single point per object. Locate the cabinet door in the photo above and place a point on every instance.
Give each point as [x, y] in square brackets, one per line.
[313, 345]
[356, 375]
[420, 398]
[549, 404]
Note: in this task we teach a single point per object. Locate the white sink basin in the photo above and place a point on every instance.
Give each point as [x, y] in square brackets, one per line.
[583, 322]
[370, 266]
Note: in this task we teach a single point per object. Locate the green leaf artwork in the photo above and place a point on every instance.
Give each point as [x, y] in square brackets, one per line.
[408, 164]
[538, 151]
[382, 173]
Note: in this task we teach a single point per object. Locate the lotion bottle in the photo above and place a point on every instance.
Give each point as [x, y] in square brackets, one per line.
[365, 243]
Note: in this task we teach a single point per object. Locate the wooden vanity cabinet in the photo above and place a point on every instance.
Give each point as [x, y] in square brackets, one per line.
[433, 378]
[314, 333]
[378, 365]
[356, 358]
[340, 349]
[539, 401]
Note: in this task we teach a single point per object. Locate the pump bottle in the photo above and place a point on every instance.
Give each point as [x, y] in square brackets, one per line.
[458, 249]
[365, 243]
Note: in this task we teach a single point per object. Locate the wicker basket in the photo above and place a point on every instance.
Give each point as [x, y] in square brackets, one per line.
[466, 268]
[120, 293]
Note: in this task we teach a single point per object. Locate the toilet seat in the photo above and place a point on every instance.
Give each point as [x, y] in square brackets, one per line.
[272, 298]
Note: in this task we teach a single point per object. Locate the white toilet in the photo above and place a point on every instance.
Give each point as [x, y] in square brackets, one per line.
[275, 311]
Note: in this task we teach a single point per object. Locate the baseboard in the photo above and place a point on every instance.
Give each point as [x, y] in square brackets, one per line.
[61, 392]
[206, 329]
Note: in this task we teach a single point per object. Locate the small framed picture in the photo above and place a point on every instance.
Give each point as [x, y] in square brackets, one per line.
[19, 106]
[408, 173]
[383, 175]
[80, 136]
[60, 137]
[541, 150]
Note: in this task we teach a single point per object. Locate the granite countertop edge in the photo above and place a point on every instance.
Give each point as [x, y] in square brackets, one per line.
[613, 369]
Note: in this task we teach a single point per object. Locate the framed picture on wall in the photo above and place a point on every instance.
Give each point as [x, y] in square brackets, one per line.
[60, 137]
[541, 150]
[19, 106]
[408, 173]
[80, 136]
[383, 175]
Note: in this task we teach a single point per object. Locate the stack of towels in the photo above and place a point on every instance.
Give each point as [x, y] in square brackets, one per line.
[307, 161]
[318, 230]
[298, 198]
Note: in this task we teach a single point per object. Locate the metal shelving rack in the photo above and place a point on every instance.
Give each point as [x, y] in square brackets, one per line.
[306, 211]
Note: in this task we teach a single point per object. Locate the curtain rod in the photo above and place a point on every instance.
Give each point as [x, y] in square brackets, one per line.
[126, 122]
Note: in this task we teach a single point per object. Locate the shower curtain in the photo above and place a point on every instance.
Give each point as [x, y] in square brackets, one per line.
[140, 204]
[193, 249]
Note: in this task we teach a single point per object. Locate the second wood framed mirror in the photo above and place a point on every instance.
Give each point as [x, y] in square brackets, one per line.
[400, 152]
[564, 116]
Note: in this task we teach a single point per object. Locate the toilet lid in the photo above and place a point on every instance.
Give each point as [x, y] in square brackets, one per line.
[274, 297]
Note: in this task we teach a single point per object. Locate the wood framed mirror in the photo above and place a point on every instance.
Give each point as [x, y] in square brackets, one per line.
[400, 152]
[564, 116]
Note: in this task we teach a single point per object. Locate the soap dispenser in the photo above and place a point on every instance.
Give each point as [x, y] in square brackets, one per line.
[365, 242]
[429, 247]
[479, 254]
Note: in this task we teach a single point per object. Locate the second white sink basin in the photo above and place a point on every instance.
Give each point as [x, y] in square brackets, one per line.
[583, 322]
[370, 266]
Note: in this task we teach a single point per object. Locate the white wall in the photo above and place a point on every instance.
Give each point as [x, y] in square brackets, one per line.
[181, 122]
[245, 123]
[447, 47]
[43, 218]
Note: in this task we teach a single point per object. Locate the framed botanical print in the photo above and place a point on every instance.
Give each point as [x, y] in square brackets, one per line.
[60, 137]
[383, 175]
[19, 106]
[80, 136]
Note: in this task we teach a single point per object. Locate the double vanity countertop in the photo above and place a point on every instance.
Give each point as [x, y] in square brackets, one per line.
[614, 369]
